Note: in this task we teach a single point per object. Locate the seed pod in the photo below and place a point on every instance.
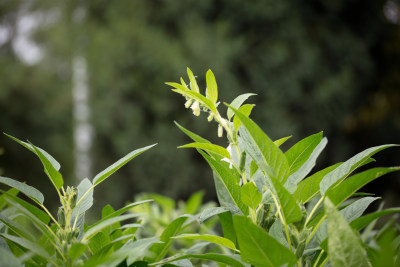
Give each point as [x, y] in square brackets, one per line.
[61, 216]
[300, 250]
[294, 239]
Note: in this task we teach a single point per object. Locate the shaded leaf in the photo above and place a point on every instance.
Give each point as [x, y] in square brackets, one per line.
[363, 221]
[250, 195]
[344, 246]
[258, 248]
[210, 212]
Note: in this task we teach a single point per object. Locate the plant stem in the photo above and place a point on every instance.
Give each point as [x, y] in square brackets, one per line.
[283, 220]
[319, 257]
[313, 210]
[315, 229]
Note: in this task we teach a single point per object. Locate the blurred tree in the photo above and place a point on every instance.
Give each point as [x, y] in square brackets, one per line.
[315, 66]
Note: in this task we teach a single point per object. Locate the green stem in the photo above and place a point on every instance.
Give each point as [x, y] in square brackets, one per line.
[48, 213]
[283, 220]
[315, 229]
[313, 210]
[319, 257]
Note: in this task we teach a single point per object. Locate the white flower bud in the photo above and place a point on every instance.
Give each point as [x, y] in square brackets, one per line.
[196, 108]
[210, 117]
[188, 103]
[220, 130]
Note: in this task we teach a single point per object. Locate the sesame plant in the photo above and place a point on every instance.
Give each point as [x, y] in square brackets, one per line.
[272, 211]
[32, 236]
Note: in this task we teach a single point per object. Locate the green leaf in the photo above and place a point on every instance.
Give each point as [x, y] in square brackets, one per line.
[53, 162]
[84, 198]
[290, 210]
[344, 246]
[298, 154]
[209, 148]
[212, 89]
[210, 212]
[258, 248]
[340, 173]
[226, 260]
[114, 167]
[98, 241]
[250, 195]
[308, 188]
[281, 141]
[17, 228]
[236, 103]
[228, 230]
[246, 110]
[193, 83]
[27, 190]
[192, 135]
[348, 187]
[122, 210]
[76, 250]
[8, 259]
[173, 228]
[52, 173]
[210, 238]
[103, 224]
[269, 158]
[31, 246]
[227, 185]
[303, 155]
[363, 221]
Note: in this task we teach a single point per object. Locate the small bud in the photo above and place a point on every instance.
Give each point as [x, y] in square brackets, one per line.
[242, 161]
[220, 130]
[210, 117]
[188, 103]
[61, 216]
[196, 108]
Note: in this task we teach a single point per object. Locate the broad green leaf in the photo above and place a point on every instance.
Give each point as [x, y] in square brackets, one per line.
[226, 260]
[32, 246]
[302, 164]
[41, 215]
[227, 185]
[212, 89]
[250, 195]
[258, 248]
[53, 162]
[210, 212]
[160, 250]
[298, 154]
[114, 167]
[281, 141]
[194, 202]
[341, 172]
[290, 210]
[236, 103]
[192, 135]
[122, 210]
[99, 226]
[209, 148]
[76, 250]
[308, 188]
[228, 230]
[17, 228]
[246, 110]
[349, 213]
[348, 187]
[344, 246]
[8, 259]
[193, 83]
[210, 238]
[276, 232]
[363, 221]
[98, 241]
[27, 190]
[52, 173]
[269, 158]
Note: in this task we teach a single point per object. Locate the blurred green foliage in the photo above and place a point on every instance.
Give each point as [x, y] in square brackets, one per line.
[315, 65]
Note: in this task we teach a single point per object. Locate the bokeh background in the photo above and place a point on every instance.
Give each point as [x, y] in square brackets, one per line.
[84, 80]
